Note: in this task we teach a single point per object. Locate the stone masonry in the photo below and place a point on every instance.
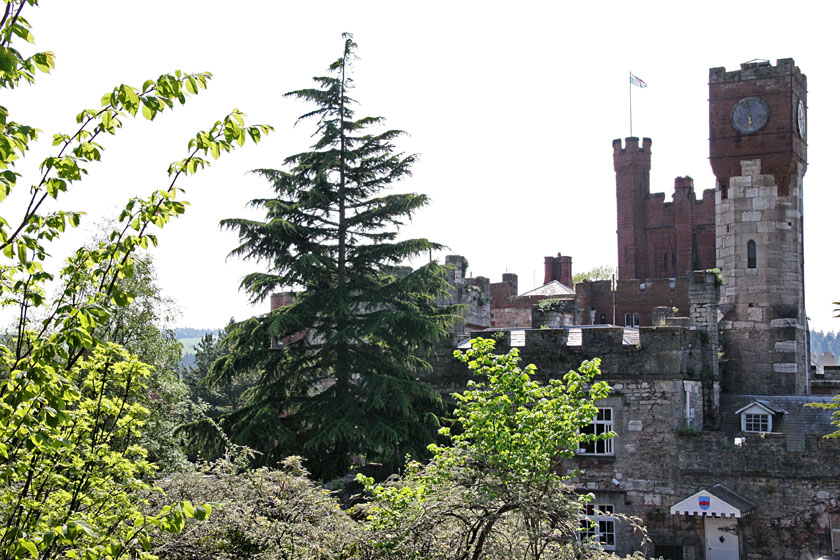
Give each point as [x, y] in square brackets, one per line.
[764, 330]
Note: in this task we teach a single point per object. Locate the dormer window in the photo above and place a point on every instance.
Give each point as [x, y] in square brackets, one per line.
[757, 417]
[756, 423]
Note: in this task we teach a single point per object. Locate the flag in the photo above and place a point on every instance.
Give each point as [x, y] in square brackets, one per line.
[636, 81]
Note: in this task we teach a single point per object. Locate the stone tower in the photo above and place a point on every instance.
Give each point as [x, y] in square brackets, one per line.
[757, 135]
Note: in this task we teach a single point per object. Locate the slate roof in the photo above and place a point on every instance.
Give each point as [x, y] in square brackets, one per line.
[730, 497]
[763, 403]
[553, 288]
[794, 419]
[727, 503]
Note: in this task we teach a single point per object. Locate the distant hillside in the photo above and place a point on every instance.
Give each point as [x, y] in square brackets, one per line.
[189, 339]
[181, 332]
[825, 342]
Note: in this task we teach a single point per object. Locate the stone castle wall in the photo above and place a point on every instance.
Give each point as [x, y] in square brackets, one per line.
[472, 293]
[664, 408]
[764, 325]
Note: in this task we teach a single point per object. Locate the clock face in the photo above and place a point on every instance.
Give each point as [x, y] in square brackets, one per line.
[749, 115]
[800, 118]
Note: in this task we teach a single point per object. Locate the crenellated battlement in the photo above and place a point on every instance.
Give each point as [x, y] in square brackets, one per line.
[631, 146]
[669, 351]
[683, 183]
[659, 238]
[755, 70]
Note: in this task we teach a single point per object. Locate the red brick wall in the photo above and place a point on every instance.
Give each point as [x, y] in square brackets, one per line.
[509, 310]
[594, 295]
[514, 311]
[282, 299]
[778, 144]
[658, 239]
[630, 298]
[632, 183]
[559, 268]
[499, 291]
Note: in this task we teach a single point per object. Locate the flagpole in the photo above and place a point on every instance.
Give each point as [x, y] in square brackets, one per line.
[630, 90]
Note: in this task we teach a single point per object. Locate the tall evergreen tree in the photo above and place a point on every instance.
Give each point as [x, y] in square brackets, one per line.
[339, 365]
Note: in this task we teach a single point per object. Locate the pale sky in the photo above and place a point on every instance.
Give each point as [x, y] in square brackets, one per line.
[512, 106]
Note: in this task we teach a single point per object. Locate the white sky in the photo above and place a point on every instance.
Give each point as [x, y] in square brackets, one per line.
[513, 110]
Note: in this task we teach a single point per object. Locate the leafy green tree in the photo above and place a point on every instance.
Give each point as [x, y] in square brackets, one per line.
[201, 434]
[263, 514]
[339, 365]
[500, 490]
[603, 272]
[70, 465]
[223, 398]
[825, 342]
[141, 327]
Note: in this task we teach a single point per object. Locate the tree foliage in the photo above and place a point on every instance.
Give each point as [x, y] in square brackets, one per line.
[822, 341]
[223, 398]
[603, 272]
[339, 364]
[201, 435]
[69, 401]
[263, 514]
[500, 490]
[142, 328]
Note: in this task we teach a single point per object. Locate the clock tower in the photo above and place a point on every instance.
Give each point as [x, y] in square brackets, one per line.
[758, 153]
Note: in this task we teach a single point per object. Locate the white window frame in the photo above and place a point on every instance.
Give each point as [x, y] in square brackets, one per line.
[601, 424]
[759, 415]
[598, 525]
[753, 422]
[834, 524]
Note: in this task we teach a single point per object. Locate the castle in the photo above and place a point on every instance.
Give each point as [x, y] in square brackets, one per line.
[716, 451]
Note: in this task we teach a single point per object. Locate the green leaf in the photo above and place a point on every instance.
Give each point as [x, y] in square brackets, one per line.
[145, 542]
[44, 61]
[188, 508]
[86, 529]
[30, 547]
[191, 85]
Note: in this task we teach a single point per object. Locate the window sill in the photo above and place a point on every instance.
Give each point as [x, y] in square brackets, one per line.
[596, 458]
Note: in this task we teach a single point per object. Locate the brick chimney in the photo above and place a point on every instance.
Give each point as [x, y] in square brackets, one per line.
[559, 268]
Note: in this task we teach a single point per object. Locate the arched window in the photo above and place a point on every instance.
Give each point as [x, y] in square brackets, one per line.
[750, 254]
[694, 251]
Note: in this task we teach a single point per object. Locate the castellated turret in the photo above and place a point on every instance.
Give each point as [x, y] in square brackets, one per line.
[632, 178]
[758, 155]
